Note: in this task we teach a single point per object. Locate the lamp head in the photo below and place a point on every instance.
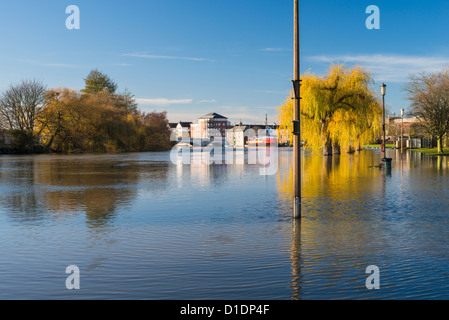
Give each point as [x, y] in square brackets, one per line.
[383, 89]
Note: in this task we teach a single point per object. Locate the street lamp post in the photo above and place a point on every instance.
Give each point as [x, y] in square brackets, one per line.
[383, 90]
[296, 117]
[402, 130]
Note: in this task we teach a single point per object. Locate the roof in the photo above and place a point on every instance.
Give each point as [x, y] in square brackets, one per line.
[184, 124]
[262, 126]
[253, 126]
[239, 128]
[213, 115]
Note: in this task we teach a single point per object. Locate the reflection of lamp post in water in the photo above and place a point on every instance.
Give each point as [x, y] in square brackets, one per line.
[295, 256]
[383, 90]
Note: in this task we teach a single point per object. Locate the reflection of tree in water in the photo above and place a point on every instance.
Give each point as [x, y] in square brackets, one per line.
[62, 187]
[337, 178]
[336, 192]
[19, 199]
[100, 205]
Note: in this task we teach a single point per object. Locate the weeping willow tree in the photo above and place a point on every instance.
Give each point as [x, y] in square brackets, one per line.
[338, 110]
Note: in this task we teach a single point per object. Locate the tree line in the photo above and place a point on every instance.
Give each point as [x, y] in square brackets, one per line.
[341, 110]
[429, 97]
[94, 119]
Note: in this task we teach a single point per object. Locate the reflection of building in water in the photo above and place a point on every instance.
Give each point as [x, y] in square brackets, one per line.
[409, 160]
[179, 174]
[200, 174]
[204, 174]
[235, 156]
[284, 177]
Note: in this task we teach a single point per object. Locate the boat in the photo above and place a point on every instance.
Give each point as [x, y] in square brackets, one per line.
[264, 141]
[183, 145]
[270, 139]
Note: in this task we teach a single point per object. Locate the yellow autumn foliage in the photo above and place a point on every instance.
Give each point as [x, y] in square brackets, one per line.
[339, 109]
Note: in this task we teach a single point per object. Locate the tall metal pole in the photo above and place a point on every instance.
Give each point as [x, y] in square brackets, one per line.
[383, 89]
[385, 146]
[402, 130]
[296, 117]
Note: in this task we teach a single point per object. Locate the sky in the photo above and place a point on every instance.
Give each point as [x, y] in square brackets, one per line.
[233, 57]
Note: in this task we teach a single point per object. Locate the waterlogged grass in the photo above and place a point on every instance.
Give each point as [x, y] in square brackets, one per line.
[373, 146]
[427, 151]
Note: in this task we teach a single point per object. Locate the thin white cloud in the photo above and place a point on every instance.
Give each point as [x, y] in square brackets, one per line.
[247, 114]
[122, 65]
[235, 114]
[162, 102]
[174, 116]
[234, 107]
[207, 101]
[274, 49]
[272, 91]
[249, 118]
[151, 56]
[392, 68]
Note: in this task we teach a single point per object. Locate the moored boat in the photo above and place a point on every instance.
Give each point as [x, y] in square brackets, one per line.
[263, 141]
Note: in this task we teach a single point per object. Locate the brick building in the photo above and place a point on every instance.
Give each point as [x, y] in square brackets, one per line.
[204, 127]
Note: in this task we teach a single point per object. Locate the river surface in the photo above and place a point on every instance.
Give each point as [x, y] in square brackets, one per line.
[141, 227]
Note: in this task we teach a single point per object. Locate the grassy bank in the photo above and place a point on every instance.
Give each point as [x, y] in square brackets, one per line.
[432, 151]
[427, 151]
[374, 146]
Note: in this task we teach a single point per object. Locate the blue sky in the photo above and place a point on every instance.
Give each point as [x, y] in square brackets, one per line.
[233, 57]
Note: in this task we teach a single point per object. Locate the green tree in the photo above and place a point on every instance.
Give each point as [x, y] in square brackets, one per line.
[96, 82]
[429, 96]
[126, 101]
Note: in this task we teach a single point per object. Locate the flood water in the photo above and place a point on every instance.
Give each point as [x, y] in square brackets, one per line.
[140, 227]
